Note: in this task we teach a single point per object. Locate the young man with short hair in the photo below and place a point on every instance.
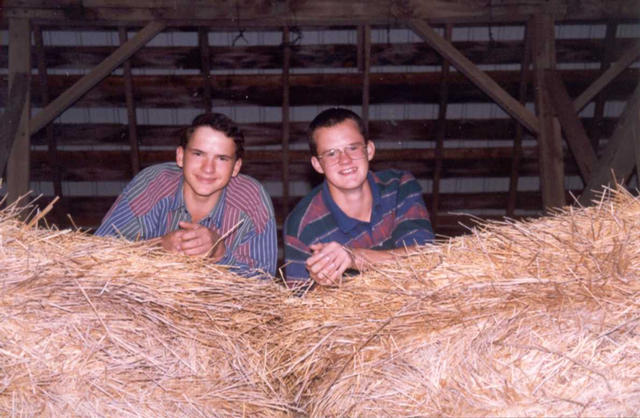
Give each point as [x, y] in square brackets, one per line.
[355, 218]
[200, 205]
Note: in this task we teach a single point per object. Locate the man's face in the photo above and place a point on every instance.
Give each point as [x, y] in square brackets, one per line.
[208, 163]
[343, 156]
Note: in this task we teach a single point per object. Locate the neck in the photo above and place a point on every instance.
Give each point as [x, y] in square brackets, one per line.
[199, 206]
[355, 203]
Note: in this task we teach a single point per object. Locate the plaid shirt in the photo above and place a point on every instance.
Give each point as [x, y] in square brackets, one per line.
[152, 205]
[399, 218]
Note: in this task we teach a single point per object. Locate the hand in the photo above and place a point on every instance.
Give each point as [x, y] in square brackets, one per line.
[328, 262]
[194, 239]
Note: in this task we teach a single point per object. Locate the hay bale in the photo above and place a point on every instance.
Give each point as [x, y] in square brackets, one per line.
[519, 318]
[533, 318]
[94, 326]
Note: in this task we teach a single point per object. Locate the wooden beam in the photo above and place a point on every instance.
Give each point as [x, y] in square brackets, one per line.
[614, 70]
[595, 131]
[18, 168]
[576, 136]
[365, 46]
[70, 96]
[620, 154]
[286, 127]
[525, 72]
[305, 12]
[549, 138]
[205, 66]
[132, 120]
[10, 119]
[52, 142]
[440, 135]
[480, 78]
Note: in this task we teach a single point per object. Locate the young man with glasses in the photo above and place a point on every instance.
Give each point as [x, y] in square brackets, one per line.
[355, 218]
[200, 205]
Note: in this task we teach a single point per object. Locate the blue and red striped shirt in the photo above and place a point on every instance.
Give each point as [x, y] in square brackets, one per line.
[152, 205]
[399, 218]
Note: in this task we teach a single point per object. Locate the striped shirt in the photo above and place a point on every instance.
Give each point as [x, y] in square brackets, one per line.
[152, 205]
[399, 218]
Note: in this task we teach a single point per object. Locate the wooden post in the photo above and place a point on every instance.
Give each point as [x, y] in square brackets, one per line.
[131, 107]
[517, 140]
[549, 140]
[365, 47]
[18, 166]
[205, 66]
[44, 94]
[598, 113]
[441, 133]
[286, 128]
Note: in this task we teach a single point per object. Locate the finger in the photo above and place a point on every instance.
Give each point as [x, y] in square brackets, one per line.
[318, 263]
[317, 246]
[188, 225]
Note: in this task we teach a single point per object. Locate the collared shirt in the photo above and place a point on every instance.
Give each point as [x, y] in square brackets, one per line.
[152, 205]
[399, 218]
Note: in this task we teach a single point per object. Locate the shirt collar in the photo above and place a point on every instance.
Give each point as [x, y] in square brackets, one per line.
[216, 212]
[345, 222]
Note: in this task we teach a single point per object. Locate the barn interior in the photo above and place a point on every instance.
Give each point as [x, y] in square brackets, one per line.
[504, 108]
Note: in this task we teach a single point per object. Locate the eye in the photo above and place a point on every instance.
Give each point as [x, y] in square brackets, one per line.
[353, 147]
[196, 153]
[331, 153]
[224, 158]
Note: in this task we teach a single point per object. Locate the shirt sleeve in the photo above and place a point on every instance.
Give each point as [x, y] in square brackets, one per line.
[413, 226]
[120, 220]
[256, 255]
[296, 253]
[254, 251]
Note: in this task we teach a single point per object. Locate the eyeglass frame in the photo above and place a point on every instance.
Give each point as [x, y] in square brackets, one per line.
[362, 146]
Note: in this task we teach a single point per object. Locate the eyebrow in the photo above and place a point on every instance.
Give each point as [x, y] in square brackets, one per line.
[193, 149]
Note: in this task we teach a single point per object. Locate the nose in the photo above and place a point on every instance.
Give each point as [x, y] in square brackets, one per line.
[209, 165]
[343, 157]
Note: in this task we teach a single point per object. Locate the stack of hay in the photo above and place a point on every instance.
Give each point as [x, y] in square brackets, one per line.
[534, 318]
[94, 326]
[518, 319]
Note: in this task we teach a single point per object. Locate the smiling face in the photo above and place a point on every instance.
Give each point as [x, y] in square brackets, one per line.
[347, 173]
[208, 163]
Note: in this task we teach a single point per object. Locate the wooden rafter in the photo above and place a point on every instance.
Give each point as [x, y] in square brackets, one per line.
[259, 13]
[479, 77]
[75, 92]
[576, 136]
[620, 155]
[612, 72]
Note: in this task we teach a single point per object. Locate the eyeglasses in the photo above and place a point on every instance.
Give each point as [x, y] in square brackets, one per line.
[353, 151]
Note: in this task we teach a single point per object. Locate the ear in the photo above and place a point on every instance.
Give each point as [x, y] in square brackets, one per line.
[371, 150]
[236, 167]
[315, 162]
[180, 156]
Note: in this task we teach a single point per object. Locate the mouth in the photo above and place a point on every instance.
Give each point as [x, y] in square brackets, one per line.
[206, 180]
[348, 171]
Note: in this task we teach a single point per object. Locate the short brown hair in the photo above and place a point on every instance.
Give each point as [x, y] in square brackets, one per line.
[331, 117]
[218, 122]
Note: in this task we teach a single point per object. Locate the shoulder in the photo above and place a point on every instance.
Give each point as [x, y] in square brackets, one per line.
[158, 173]
[156, 182]
[394, 179]
[248, 195]
[308, 210]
